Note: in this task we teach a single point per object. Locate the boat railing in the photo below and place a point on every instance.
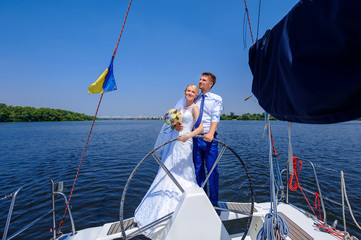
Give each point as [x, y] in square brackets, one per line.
[322, 197]
[317, 185]
[318, 188]
[13, 197]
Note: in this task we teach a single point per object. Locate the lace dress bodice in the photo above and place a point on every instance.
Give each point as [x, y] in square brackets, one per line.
[187, 120]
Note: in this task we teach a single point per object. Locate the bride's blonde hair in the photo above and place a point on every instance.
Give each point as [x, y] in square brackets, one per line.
[194, 87]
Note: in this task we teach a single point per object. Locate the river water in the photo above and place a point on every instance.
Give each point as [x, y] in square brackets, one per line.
[35, 151]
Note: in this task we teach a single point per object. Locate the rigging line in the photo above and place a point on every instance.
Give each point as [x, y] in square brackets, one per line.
[343, 202]
[244, 32]
[82, 157]
[249, 22]
[343, 189]
[326, 168]
[96, 113]
[121, 31]
[275, 154]
[335, 170]
[259, 16]
[250, 29]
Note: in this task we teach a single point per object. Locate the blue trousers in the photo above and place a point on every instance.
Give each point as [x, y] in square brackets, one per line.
[206, 153]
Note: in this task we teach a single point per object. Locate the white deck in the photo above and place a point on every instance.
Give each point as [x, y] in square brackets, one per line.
[305, 223]
[298, 216]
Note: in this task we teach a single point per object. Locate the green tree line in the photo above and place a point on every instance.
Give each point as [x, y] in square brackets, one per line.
[246, 116]
[31, 114]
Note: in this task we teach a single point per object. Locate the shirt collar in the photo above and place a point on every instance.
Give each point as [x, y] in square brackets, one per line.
[205, 94]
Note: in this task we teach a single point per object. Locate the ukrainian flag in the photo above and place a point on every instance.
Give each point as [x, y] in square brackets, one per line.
[106, 81]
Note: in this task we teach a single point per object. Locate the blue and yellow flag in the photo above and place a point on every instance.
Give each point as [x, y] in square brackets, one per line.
[106, 81]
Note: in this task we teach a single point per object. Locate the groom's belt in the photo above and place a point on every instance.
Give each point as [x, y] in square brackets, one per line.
[215, 134]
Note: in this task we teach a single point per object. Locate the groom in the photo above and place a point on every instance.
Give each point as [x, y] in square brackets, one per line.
[205, 150]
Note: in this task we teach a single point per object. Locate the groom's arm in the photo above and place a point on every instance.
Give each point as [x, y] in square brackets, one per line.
[210, 135]
[215, 117]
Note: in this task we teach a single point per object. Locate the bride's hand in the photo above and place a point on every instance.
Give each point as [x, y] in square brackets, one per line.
[183, 138]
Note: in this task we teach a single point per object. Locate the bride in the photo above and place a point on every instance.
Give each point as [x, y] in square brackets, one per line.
[163, 195]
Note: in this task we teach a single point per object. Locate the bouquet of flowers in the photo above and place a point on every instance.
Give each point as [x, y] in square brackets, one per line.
[172, 117]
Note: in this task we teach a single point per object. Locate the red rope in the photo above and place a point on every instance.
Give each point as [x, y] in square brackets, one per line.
[121, 31]
[275, 154]
[249, 22]
[82, 157]
[336, 233]
[115, 51]
[317, 203]
[297, 166]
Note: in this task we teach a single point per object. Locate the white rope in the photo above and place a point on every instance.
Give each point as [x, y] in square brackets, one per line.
[343, 190]
[272, 218]
[290, 151]
[343, 203]
[270, 162]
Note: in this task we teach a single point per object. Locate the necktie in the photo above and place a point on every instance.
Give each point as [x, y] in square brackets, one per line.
[200, 113]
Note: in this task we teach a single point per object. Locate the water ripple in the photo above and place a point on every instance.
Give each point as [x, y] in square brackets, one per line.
[31, 151]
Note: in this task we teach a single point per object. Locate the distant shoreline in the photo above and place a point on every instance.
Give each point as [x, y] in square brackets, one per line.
[31, 114]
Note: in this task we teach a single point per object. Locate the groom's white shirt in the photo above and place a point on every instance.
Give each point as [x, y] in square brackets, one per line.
[211, 111]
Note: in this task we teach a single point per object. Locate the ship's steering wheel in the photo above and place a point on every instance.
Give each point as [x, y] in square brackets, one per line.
[153, 153]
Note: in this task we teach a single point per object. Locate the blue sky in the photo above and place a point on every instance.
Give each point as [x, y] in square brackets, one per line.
[52, 50]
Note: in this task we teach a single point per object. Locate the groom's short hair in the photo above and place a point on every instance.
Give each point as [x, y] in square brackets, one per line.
[210, 76]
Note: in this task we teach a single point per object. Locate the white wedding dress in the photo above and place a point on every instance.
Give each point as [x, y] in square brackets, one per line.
[163, 195]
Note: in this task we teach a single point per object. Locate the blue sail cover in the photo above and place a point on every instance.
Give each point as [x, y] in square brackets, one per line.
[307, 69]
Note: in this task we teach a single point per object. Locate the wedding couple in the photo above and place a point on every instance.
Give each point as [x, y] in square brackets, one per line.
[186, 158]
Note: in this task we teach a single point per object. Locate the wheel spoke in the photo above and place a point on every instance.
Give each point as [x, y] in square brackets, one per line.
[150, 225]
[167, 172]
[214, 166]
[166, 217]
